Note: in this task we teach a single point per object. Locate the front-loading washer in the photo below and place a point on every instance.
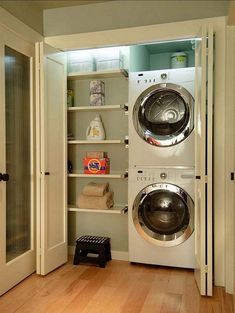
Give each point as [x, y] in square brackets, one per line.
[161, 118]
[161, 216]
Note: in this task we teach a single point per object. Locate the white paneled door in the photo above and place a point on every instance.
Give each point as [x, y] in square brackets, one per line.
[17, 219]
[204, 159]
[52, 166]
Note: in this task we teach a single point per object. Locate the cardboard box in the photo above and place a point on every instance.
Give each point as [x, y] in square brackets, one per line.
[96, 86]
[96, 166]
[96, 154]
[97, 99]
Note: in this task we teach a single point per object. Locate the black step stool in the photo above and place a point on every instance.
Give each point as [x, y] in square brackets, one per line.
[92, 245]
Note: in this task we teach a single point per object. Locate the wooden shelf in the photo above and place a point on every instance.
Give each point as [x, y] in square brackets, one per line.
[96, 108]
[88, 142]
[99, 74]
[112, 175]
[117, 209]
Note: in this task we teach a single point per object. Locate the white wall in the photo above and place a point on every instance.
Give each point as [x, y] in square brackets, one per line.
[27, 12]
[123, 14]
[231, 13]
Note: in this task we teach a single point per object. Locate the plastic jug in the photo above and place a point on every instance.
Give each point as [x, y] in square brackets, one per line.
[95, 131]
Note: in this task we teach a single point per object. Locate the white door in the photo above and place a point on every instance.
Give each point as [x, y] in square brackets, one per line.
[204, 160]
[52, 168]
[17, 175]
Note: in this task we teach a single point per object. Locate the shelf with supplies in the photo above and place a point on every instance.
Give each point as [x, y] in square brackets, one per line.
[98, 74]
[112, 175]
[97, 142]
[117, 209]
[97, 108]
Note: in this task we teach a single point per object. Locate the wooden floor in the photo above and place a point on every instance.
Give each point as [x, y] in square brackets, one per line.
[120, 287]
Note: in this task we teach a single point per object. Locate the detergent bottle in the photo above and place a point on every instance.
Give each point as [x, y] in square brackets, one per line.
[95, 131]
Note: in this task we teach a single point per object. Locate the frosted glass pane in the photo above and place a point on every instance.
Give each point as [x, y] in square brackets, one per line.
[17, 99]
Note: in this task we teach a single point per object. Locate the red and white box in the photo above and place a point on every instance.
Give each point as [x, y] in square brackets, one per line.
[96, 166]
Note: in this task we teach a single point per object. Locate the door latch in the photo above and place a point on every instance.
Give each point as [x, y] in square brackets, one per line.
[4, 177]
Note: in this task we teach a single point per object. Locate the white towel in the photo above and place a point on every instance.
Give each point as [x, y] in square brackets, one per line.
[94, 189]
[99, 203]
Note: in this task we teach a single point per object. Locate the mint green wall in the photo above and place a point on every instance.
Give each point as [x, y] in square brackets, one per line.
[99, 224]
[162, 60]
[139, 58]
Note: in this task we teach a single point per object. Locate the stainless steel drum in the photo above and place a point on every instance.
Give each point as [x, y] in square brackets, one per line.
[163, 213]
[163, 114]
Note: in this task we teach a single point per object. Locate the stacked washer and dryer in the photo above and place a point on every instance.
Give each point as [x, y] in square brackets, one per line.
[161, 167]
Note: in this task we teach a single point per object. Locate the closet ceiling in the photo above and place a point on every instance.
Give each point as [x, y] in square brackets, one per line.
[44, 5]
[59, 4]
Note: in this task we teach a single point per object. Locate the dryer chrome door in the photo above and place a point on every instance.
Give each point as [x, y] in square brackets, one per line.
[164, 214]
[163, 114]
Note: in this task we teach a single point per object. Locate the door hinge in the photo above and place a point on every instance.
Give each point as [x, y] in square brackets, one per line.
[207, 51]
[206, 179]
[232, 175]
[206, 269]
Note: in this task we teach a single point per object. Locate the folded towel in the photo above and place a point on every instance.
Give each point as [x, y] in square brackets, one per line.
[94, 189]
[91, 202]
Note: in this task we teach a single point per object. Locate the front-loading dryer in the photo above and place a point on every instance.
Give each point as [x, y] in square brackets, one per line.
[161, 216]
[161, 118]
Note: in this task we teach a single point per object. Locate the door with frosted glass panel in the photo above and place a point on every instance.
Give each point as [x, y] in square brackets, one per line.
[17, 253]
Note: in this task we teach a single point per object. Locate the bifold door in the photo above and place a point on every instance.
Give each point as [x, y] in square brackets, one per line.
[17, 175]
[204, 159]
[52, 166]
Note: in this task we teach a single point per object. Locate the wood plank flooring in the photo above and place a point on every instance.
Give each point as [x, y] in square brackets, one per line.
[121, 287]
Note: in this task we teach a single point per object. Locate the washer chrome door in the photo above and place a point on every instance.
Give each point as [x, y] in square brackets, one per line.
[164, 214]
[163, 114]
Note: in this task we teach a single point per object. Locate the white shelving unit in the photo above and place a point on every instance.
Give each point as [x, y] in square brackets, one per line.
[115, 123]
[96, 108]
[117, 209]
[97, 75]
[95, 142]
[107, 176]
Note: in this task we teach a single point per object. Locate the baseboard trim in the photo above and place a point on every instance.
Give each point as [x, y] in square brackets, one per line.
[116, 255]
[120, 255]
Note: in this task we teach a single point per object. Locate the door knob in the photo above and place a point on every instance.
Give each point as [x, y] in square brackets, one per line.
[4, 177]
[163, 175]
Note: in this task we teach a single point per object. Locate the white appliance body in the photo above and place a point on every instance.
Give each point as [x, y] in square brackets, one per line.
[144, 246]
[142, 151]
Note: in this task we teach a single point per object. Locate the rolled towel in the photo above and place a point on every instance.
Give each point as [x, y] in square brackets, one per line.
[94, 189]
[97, 203]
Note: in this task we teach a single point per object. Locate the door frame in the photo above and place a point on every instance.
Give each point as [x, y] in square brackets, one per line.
[230, 161]
[172, 31]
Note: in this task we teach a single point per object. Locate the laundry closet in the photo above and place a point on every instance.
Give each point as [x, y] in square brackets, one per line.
[148, 54]
[114, 113]
[64, 115]
[144, 103]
